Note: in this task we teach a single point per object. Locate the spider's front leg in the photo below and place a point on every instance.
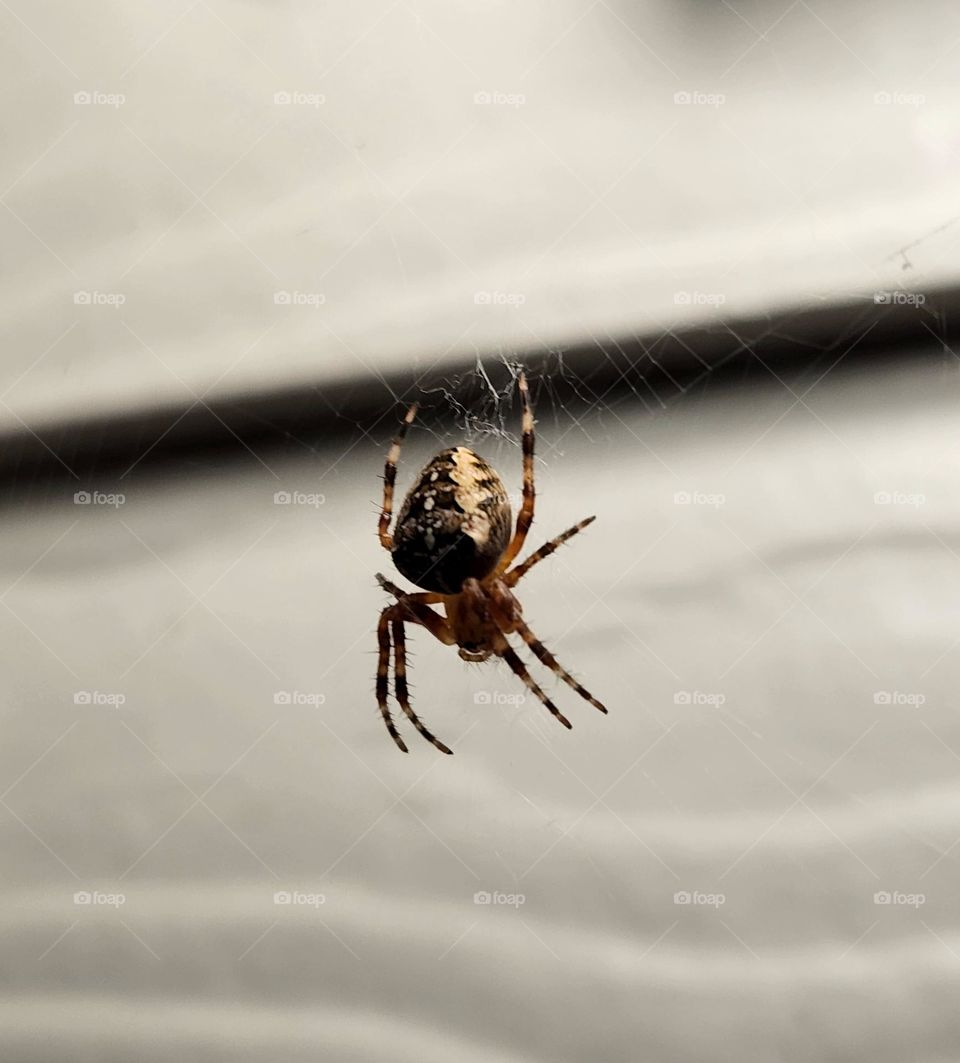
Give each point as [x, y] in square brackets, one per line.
[390, 479]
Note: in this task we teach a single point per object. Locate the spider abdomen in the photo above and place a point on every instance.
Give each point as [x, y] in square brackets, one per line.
[454, 524]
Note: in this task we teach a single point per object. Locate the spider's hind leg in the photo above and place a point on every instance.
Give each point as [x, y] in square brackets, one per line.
[509, 616]
[518, 668]
[383, 676]
[400, 685]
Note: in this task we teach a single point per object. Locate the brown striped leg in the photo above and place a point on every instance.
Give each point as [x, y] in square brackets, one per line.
[519, 669]
[400, 685]
[525, 516]
[383, 676]
[390, 478]
[512, 577]
[543, 654]
[423, 597]
[414, 608]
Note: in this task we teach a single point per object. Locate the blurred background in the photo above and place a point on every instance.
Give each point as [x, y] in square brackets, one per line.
[239, 239]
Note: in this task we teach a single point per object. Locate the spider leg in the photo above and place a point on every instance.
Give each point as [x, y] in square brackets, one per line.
[400, 685]
[414, 609]
[423, 597]
[518, 667]
[390, 478]
[525, 516]
[512, 577]
[543, 654]
[383, 675]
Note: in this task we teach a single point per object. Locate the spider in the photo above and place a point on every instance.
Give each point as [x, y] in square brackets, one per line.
[452, 538]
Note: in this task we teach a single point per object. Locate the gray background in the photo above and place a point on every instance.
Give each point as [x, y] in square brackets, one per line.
[767, 601]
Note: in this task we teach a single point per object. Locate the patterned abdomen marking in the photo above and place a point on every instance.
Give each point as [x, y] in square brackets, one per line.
[454, 524]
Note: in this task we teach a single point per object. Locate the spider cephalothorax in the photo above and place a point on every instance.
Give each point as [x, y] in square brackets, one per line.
[452, 538]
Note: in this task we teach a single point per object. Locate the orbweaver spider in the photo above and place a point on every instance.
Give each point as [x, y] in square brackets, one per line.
[452, 538]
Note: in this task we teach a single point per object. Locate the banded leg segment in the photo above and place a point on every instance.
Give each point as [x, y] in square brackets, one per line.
[383, 676]
[390, 478]
[518, 668]
[543, 654]
[525, 516]
[512, 577]
[414, 608]
[400, 684]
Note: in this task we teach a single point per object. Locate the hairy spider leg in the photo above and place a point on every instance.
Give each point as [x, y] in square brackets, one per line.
[525, 516]
[517, 666]
[512, 577]
[400, 684]
[383, 676]
[390, 478]
[506, 610]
